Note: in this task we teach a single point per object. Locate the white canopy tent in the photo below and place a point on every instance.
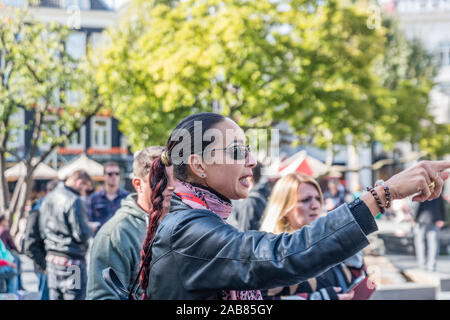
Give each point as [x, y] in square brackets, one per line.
[42, 172]
[92, 167]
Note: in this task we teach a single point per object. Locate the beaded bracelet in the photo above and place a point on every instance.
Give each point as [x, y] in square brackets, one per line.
[377, 199]
[388, 195]
[386, 191]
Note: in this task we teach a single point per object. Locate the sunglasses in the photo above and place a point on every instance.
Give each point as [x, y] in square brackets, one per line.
[237, 152]
[113, 173]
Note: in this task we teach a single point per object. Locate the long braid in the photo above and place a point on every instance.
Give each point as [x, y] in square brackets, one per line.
[158, 183]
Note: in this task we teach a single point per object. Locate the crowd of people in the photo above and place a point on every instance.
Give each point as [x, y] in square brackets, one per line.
[204, 223]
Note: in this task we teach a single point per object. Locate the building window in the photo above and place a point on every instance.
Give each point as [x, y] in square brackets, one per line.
[74, 97]
[76, 45]
[101, 132]
[82, 4]
[16, 139]
[96, 40]
[13, 3]
[78, 138]
[444, 53]
[420, 5]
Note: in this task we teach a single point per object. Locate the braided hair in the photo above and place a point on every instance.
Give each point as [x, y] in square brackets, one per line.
[159, 180]
[158, 183]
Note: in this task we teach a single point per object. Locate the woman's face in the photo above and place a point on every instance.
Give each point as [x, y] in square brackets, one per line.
[308, 207]
[225, 174]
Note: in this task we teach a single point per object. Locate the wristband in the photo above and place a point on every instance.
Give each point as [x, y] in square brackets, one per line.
[386, 191]
[377, 199]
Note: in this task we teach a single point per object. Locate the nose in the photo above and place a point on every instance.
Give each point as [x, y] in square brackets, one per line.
[250, 161]
[315, 204]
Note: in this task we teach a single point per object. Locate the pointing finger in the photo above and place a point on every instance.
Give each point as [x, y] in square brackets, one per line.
[440, 165]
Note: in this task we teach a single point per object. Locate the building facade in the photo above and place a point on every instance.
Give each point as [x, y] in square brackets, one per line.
[429, 21]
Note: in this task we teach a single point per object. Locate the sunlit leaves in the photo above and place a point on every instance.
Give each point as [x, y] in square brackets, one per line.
[313, 64]
[40, 76]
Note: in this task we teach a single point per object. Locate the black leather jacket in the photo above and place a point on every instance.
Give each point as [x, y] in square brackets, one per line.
[196, 254]
[63, 223]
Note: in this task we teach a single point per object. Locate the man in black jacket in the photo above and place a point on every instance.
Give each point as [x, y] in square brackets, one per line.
[63, 224]
[33, 245]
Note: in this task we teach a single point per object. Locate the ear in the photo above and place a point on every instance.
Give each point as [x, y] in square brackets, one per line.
[197, 166]
[136, 182]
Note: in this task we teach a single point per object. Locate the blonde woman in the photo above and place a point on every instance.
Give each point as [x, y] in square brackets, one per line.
[297, 201]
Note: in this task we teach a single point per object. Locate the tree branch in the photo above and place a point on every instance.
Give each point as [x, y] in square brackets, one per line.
[15, 154]
[33, 73]
[68, 136]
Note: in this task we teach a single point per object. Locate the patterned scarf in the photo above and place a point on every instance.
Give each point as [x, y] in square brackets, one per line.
[199, 197]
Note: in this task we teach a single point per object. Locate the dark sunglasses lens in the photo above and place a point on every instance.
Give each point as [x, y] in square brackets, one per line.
[239, 152]
[112, 174]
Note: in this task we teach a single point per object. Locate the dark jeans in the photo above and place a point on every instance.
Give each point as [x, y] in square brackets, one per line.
[67, 282]
[8, 278]
[18, 262]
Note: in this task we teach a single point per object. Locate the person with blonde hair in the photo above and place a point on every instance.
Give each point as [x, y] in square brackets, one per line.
[297, 201]
[278, 216]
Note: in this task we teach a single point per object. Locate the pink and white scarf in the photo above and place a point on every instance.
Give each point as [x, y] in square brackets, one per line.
[197, 197]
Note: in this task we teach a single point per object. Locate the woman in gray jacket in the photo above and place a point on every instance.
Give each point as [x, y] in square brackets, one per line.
[192, 253]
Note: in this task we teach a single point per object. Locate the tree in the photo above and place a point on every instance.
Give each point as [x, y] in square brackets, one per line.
[258, 62]
[310, 63]
[406, 71]
[37, 75]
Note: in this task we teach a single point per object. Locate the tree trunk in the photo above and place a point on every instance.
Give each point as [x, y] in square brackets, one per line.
[4, 192]
[15, 197]
[19, 200]
[19, 212]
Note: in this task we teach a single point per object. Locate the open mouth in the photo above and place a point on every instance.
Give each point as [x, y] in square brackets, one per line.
[245, 181]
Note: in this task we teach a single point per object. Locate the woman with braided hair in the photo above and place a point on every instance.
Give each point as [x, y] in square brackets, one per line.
[190, 252]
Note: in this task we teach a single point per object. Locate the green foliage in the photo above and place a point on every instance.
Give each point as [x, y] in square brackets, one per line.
[406, 70]
[37, 74]
[313, 64]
